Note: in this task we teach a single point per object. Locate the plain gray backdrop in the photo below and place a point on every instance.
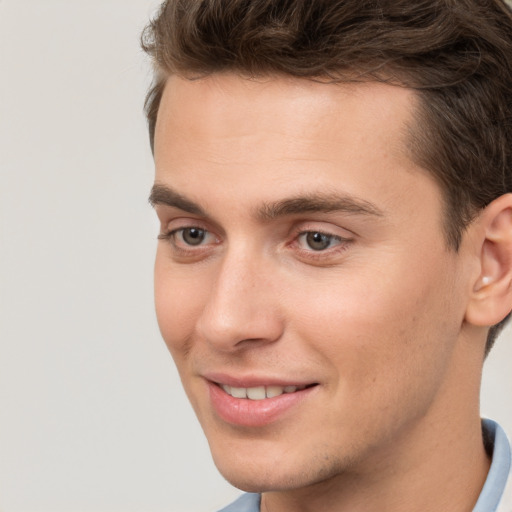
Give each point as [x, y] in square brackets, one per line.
[92, 415]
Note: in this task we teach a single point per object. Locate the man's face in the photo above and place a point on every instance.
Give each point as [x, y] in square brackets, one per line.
[302, 248]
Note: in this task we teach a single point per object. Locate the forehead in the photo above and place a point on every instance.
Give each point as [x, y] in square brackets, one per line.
[224, 106]
[261, 140]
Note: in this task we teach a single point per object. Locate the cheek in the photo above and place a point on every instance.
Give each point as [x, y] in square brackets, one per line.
[383, 357]
[178, 302]
[378, 328]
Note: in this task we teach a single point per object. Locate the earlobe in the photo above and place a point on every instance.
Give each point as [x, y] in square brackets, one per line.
[491, 298]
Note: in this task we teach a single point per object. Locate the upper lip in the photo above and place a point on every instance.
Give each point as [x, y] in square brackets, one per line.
[252, 381]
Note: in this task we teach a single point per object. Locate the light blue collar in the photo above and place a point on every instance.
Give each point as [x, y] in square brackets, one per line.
[246, 503]
[494, 487]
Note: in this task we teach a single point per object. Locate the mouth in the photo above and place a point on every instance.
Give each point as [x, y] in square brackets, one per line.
[257, 405]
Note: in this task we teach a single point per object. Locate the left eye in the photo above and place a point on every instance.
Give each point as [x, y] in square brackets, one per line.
[318, 241]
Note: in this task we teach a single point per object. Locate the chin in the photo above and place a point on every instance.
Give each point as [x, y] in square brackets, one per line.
[269, 473]
[266, 480]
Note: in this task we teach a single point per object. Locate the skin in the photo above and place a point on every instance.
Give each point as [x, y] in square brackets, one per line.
[387, 321]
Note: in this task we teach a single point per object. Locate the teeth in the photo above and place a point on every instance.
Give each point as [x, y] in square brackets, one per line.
[274, 391]
[256, 393]
[239, 392]
[260, 392]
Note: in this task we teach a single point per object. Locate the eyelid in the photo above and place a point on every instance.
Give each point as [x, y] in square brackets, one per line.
[325, 228]
[175, 223]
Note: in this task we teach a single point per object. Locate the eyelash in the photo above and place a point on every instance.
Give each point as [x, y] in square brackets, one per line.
[309, 254]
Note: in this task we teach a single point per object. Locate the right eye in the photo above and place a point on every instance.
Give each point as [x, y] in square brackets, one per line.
[192, 236]
[188, 237]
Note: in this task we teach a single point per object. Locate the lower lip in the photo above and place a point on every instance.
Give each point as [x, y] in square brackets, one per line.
[254, 413]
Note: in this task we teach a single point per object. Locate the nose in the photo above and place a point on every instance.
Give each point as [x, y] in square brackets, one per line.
[242, 307]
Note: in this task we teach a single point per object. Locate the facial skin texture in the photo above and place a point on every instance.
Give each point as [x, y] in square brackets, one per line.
[376, 320]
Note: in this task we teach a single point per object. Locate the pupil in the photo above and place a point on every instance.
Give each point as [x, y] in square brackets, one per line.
[318, 241]
[193, 236]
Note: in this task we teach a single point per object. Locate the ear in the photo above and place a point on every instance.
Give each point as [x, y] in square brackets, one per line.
[491, 298]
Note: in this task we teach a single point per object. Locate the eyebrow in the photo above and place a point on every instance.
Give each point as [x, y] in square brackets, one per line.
[309, 203]
[162, 194]
[321, 203]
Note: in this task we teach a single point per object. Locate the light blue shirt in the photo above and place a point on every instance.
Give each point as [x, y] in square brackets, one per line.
[495, 492]
[496, 495]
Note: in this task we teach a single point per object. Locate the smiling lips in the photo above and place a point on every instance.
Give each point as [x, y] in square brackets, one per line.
[255, 406]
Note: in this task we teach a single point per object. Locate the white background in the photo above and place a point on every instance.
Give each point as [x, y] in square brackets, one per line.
[92, 416]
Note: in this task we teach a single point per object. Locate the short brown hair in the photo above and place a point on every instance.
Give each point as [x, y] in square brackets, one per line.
[457, 55]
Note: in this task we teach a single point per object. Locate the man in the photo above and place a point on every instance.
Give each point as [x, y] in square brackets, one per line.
[333, 185]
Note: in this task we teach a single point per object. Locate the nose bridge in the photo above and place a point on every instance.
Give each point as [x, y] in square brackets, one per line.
[241, 305]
